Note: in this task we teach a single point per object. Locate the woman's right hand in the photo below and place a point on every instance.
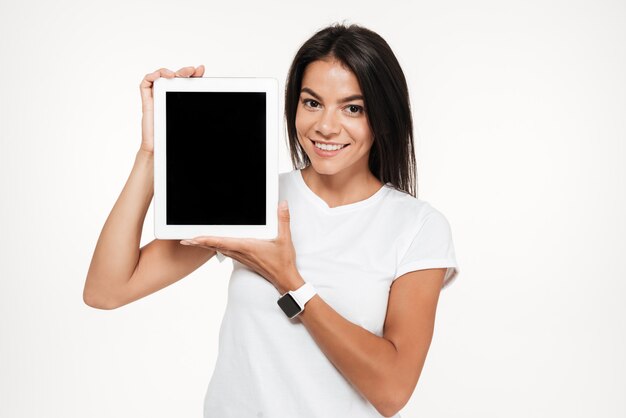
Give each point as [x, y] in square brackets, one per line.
[147, 102]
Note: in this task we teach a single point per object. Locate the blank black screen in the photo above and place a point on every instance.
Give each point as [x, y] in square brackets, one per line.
[215, 163]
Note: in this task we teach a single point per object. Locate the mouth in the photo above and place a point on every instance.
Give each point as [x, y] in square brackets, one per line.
[327, 150]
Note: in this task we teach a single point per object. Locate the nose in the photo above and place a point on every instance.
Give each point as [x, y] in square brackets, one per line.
[327, 124]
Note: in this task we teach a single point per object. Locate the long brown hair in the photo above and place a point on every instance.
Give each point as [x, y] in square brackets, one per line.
[386, 97]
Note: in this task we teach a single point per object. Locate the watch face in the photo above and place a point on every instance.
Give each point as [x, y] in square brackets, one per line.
[289, 305]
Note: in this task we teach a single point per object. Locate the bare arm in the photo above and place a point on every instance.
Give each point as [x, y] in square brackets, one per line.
[121, 272]
[386, 369]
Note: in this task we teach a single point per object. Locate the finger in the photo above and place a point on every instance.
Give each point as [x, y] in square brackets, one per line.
[241, 257]
[235, 255]
[151, 77]
[199, 71]
[185, 72]
[223, 243]
[145, 86]
[284, 230]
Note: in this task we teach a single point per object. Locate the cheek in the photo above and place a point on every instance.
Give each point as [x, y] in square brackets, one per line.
[303, 121]
[360, 131]
[299, 123]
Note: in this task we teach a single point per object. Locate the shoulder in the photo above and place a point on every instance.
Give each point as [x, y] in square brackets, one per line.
[287, 180]
[286, 176]
[411, 209]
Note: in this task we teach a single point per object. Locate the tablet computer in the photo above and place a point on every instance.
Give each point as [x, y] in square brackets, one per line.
[215, 157]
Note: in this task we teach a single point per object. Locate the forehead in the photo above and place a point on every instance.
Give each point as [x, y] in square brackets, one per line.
[330, 78]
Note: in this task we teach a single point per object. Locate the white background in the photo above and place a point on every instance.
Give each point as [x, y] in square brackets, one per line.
[520, 123]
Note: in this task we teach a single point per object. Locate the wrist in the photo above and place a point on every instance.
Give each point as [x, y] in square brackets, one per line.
[293, 302]
[291, 282]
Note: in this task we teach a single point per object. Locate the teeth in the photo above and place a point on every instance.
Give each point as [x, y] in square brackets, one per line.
[328, 147]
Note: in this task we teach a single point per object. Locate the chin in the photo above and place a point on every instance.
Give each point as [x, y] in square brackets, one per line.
[324, 171]
[326, 168]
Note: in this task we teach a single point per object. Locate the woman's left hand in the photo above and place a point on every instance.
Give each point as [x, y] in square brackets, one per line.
[273, 259]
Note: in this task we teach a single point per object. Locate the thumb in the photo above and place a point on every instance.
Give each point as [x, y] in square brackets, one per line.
[283, 219]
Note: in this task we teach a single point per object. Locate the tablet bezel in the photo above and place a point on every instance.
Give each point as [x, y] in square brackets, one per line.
[269, 86]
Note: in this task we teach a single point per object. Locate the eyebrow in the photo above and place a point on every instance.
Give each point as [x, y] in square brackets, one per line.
[344, 100]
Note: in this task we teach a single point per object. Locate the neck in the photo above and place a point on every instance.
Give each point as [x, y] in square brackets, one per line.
[341, 188]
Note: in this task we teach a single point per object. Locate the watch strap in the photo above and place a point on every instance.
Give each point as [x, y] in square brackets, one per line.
[303, 294]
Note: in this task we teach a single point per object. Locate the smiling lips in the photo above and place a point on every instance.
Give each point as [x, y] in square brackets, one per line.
[327, 150]
[328, 147]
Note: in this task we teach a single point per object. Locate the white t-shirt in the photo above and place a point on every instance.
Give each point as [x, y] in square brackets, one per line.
[268, 365]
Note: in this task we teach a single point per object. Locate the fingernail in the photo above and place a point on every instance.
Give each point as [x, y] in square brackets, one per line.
[283, 204]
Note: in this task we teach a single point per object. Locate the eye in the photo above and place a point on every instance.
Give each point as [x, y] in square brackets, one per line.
[310, 103]
[354, 109]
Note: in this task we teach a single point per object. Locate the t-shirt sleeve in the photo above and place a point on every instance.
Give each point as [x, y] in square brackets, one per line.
[432, 247]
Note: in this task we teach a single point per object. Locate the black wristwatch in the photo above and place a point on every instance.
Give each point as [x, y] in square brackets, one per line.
[292, 303]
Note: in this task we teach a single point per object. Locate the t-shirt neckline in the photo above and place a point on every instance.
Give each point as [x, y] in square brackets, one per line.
[321, 204]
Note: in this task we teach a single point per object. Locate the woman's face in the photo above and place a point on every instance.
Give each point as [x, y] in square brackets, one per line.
[331, 112]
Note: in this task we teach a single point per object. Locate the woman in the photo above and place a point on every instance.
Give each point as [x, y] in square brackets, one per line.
[365, 258]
